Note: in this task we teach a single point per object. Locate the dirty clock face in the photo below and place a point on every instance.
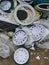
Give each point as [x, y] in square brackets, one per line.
[20, 37]
[37, 31]
[21, 56]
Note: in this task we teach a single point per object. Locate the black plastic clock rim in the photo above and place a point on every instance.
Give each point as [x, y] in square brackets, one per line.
[12, 6]
[43, 9]
[16, 18]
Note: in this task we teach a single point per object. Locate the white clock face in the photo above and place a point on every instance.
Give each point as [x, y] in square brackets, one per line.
[20, 37]
[21, 56]
[5, 5]
[37, 32]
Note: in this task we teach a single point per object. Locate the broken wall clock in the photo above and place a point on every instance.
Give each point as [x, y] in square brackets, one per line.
[24, 14]
[6, 5]
[19, 37]
[26, 40]
[38, 32]
[21, 56]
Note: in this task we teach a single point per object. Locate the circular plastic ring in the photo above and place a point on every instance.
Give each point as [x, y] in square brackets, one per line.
[30, 14]
[42, 6]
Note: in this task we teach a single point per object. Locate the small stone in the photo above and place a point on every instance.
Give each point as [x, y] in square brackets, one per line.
[38, 53]
[10, 34]
[34, 53]
[45, 57]
[38, 58]
[31, 53]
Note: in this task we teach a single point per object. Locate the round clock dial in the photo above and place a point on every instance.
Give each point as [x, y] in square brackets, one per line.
[37, 32]
[20, 37]
[5, 5]
[21, 56]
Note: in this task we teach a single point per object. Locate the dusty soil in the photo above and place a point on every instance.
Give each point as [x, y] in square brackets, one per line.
[32, 61]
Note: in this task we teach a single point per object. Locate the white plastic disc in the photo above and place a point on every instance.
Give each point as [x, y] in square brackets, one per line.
[30, 14]
[21, 56]
[20, 37]
[5, 5]
[37, 31]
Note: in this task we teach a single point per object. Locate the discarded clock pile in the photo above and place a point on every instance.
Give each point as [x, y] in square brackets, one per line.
[18, 12]
[21, 13]
[27, 37]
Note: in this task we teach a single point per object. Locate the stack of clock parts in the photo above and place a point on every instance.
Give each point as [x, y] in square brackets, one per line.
[22, 14]
[36, 32]
[21, 55]
[28, 36]
[28, 33]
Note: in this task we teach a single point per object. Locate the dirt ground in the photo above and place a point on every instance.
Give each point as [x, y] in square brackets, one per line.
[42, 60]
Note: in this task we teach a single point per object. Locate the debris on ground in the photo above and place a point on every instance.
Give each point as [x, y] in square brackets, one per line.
[38, 57]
